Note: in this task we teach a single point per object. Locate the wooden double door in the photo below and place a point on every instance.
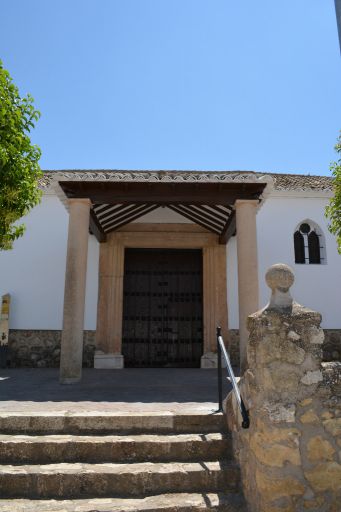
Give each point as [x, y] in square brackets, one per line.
[162, 308]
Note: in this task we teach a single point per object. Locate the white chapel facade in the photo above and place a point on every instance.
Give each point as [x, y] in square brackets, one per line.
[138, 268]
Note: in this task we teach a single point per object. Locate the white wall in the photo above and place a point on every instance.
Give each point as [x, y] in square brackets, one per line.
[34, 271]
[316, 286]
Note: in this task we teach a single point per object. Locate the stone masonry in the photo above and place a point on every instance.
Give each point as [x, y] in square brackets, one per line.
[41, 349]
[331, 348]
[290, 456]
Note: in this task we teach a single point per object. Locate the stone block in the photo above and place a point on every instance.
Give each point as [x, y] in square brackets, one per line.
[309, 417]
[325, 477]
[312, 377]
[210, 360]
[276, 447]
[274, 488]
[104, 361]
[333, 426]
[278, 412]
[314, 504]
[319, 449]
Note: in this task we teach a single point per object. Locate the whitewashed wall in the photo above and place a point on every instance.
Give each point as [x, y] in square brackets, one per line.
[33, 272]
[316, 286]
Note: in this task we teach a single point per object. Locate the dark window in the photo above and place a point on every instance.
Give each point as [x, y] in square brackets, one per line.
[305, 228]
[299, 247]
[314, 248]
[308, 244]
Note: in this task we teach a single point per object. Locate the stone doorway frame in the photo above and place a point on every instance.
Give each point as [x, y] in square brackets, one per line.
[111, 274]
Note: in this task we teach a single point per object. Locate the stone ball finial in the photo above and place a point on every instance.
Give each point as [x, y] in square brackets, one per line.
[280, 277]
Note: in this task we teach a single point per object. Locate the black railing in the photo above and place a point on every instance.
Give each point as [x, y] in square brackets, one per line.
[222, 351]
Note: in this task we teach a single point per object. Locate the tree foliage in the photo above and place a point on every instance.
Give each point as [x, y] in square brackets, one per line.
[19, 168]
[333, 210]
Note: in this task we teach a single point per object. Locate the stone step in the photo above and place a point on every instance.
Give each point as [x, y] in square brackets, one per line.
[92, 422]
[114, 480]
[24, 449]
[184, 502]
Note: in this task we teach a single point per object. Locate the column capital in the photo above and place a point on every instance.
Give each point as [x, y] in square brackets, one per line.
[81, 200]
[250, 202]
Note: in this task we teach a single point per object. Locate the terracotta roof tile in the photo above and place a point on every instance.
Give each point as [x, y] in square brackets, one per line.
[282, 181]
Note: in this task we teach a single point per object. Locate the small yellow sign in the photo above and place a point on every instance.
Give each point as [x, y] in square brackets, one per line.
[4, 327]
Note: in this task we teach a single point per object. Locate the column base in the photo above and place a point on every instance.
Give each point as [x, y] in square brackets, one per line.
[103, 361]
[210, 360]
[69, 380]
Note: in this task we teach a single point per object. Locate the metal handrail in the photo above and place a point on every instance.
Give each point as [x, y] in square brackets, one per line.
[222, 350]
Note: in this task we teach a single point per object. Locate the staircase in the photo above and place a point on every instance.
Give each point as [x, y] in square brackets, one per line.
[124, 463]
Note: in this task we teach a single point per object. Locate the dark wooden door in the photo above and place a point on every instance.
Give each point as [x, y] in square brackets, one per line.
[162, 308]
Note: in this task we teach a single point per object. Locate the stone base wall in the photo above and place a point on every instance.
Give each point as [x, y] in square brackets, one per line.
[41, 348]
[331, 345]
[233, 347]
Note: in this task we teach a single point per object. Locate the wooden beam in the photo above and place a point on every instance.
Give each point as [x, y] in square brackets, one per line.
[214, 223]
[140, 214]
[96, 229]
[189, 216]
[114, 214]
[162, 193]
[220, 209]
[110, 209]
[208, 214]
[126, 216]
[229, 229]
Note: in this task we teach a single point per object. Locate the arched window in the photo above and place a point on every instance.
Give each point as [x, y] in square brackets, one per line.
[309, 243]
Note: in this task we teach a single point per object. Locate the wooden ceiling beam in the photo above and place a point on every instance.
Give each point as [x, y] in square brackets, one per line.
[137, 209]
[134, 217]
[110, 209]
[220, 209]
[206, 212]
[229, 229]
[96, 229]
[118, 213]
[189, 216]
[213, 223]
[162, 193]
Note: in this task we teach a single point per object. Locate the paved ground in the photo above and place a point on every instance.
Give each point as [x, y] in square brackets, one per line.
[155, 389]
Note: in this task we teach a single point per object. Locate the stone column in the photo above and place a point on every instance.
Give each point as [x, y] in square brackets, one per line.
[248, 290]
[290, 456]
[214, 301]
[74, 294]
[110, 305]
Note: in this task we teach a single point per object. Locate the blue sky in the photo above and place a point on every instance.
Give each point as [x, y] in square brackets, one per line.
[178, 84]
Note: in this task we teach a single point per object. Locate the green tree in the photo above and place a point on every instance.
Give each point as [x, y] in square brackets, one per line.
[19, 168]
[333, 210]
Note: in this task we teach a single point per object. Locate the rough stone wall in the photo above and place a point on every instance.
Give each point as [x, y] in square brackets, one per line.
[233, 346]
[41, 348]
[331, 346]
[290, 457]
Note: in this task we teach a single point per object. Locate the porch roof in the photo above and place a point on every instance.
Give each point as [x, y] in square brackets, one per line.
[120, 197]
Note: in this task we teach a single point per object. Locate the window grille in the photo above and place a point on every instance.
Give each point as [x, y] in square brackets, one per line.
[309, 244]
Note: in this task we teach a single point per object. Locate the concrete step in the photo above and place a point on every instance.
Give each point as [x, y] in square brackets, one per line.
[92, 422]
[114, 480]
[25, 449]
[184, 502]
